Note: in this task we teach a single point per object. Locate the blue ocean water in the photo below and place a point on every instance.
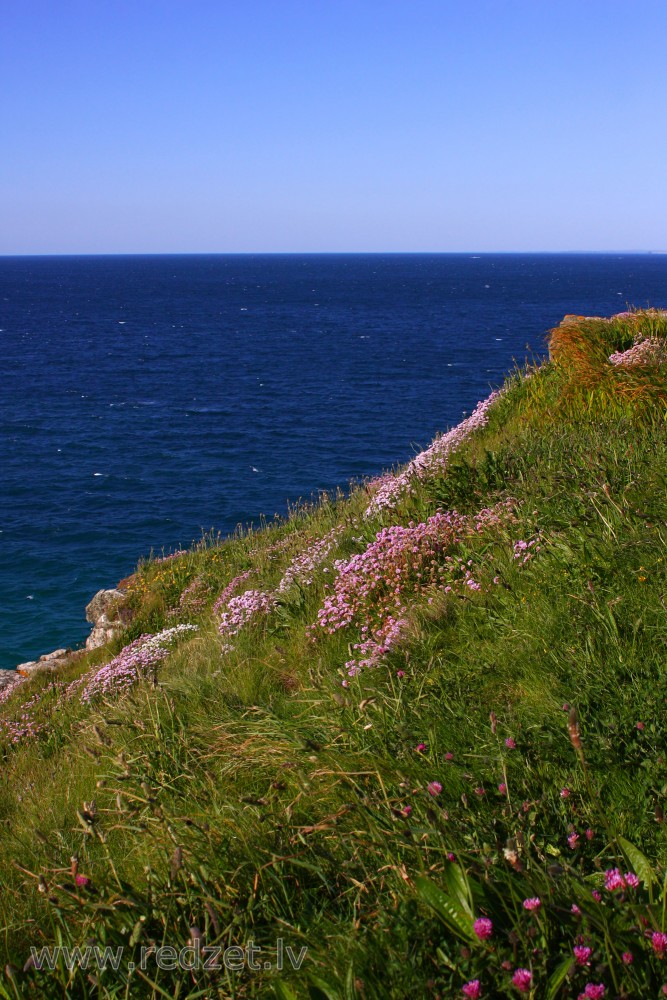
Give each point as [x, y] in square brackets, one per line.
[147, 399]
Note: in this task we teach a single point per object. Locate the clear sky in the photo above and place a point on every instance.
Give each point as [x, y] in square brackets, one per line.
[332, 125]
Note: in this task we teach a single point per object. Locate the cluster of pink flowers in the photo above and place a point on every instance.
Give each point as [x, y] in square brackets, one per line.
[593, 991]
[483, 928]
[277, 548]
[372, 589]
[614, 880]
[522, 980]
[389, 488]
[240, 610]
[533, 903]
[235, 612]
[7, 692]
[228, 592]
[648, 351]
[525, 550]
[582, 954]
[193, 598]
[26, 726]
[172, 555]
[301, 569]
[14, 731]
[472, 990]
[659, 943]
[377, 577]
[376, 644]
[133, 662]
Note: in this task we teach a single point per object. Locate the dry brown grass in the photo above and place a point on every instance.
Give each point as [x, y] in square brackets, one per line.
[580, 348]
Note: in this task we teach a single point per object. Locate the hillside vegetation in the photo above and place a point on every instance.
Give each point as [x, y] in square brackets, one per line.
[419, 730]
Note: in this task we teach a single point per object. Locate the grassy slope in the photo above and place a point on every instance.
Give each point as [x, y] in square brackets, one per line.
[249, 795]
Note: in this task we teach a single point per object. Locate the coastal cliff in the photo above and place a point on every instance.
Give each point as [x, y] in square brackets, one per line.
[415, 733]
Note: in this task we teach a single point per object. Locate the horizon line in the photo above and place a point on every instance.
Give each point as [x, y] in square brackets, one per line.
[322, 253]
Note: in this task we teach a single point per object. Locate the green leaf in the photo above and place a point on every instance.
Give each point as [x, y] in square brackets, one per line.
[283, 992]
[459, 888]
[445, 959]
[557, 979]
[639, 862]
[449, 911]
[350, 988]
[319, 990]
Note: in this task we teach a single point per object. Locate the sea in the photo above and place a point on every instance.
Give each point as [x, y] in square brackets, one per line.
[146, 401]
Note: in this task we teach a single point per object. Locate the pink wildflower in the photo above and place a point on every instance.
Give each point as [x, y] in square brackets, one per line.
[644, 351]
[627, 958]
[242, 609]
[582, 954]
[533, 903]
[449, 756]
[613, 880]
[434, 788]
[451, 857]
[640, 726]
[575, 909]
[406, 810]
[565, 793]
[593, 992]
[390, 487]
[597, 896]
[573, 840]
[373, 590]
[302, 568]
[139, 659]
[400, 674]
[502, 788]
[480, 791]
[82, 881]
[420, 747]
[483, 928]
[511, 745]
[659, 942]
[522, 979]
[472, 990]
[631, 880]
[589, 834]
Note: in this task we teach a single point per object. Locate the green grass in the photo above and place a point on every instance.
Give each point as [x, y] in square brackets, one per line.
[249, 795]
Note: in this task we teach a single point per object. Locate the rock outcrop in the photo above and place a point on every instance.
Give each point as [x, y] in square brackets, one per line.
[50, 661]
[101, 613]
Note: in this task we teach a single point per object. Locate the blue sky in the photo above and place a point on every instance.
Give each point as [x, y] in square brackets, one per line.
[332, 125]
